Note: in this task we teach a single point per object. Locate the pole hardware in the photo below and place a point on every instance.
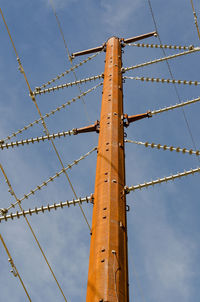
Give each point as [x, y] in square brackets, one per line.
[137, 38]
[91, 128]
[13, 270]
[126, 190]
[133, 118]
[123, 43]
[3, 211]
[92, 198]
[88, 51]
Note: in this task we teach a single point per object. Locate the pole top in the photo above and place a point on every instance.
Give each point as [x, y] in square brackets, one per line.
[123, 43]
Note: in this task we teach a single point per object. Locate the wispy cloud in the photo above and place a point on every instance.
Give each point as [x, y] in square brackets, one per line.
[61, 4]
[116, 13]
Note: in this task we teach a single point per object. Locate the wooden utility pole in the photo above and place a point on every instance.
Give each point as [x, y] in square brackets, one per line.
[108, 265]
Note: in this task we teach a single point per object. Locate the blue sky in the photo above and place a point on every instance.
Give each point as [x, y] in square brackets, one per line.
[163, 222]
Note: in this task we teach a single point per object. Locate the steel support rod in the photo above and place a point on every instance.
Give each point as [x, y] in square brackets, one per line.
[103, 46]
[108, 264]
[137, 38]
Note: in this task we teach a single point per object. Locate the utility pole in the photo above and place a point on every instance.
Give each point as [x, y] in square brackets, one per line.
[108, 267]
[108, 263]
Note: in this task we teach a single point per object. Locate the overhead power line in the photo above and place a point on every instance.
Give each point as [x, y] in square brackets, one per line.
[165, 147]
[47, 208]
[31, 229]
[73, 131]
[50, 179]
[43, 122]
[14, 270]
[66, 72]
[195, 19]
[69, 102]
[161, 180]
[171, 74]
[68, 55]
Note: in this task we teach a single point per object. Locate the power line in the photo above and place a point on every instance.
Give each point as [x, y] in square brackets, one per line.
[68, 55]
[171, 74]
[195, 19]
[14, 270]
[31, 229]
[69, 102]
[42, 119]
[50, 179]
[66, 72]
[73, 131]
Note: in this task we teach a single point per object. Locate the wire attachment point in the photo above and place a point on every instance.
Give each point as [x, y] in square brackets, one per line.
[13, 270]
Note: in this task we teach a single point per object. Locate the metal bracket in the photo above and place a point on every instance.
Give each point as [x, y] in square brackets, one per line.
[13, 270]
[126, 190]
[3, 211]
[91, 128]
[103, 46]
[133, 118]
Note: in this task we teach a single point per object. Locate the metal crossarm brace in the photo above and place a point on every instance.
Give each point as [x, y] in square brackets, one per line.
[123, 43]
[91, 128]
[133, 118]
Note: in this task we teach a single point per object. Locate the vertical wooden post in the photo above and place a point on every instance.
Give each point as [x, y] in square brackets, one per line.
[108, 264]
